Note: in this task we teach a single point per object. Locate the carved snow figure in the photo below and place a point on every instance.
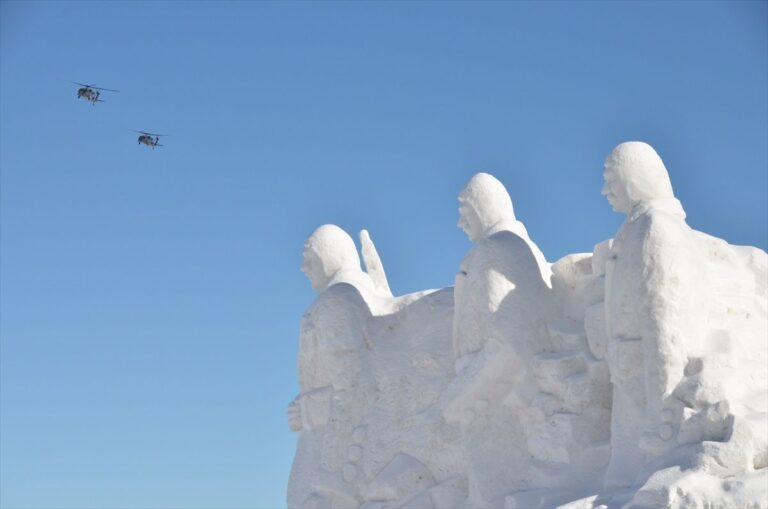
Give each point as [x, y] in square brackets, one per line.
[648, 317]
[501, 301]
[496, 394]
[687, 345]
[371, 368]
[333, 374]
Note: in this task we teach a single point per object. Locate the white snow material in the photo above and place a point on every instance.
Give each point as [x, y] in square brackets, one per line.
[635, 376]
[373, 264]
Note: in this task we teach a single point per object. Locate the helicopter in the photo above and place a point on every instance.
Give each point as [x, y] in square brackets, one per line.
[91, 92]
[150, 139]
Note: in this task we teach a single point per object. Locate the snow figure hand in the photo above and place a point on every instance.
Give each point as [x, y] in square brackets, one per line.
[294, 415]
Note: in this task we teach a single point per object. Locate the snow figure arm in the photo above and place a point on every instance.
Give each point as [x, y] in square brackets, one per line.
[331, 354]
[498, 325]
[310, 410]
[670, 294]
[373, 264]
[483, 378]
[294, 415]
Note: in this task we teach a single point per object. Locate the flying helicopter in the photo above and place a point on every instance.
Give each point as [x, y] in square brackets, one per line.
[91, 92]
[150, 139]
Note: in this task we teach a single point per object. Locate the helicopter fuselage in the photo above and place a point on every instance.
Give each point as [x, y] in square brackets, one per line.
[149, 140]
[89, 94]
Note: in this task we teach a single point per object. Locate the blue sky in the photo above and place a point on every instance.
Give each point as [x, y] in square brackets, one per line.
[150, 300]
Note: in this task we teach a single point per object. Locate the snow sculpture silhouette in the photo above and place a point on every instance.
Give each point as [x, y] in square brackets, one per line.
[644, 349]
[685, 317]
[632, 377]
[501, 299]
[371, 368]
[335, 388]
[532, 401]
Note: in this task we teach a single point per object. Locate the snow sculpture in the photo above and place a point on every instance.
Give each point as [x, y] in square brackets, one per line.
[686, 326]
[644, 356]
[532, 402]
[373, 265]
[333, 376]
[567, 422]
[635, 376]
[371, 367]
[412, 362]
[501, 298]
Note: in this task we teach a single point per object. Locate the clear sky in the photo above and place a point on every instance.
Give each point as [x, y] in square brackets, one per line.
[150, 299]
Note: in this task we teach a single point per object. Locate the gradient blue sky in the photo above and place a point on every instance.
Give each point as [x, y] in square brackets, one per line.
[150, 300]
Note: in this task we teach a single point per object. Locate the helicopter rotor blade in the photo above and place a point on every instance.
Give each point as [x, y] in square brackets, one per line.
[94, 87]
[148, 134]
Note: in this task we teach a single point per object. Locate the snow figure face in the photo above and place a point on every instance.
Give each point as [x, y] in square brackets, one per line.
[634, 173]
[312, 267]
[483, 203]
[615, 192]
[326, 252]
[468, 220]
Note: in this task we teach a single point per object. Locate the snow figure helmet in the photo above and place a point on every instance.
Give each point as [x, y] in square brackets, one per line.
[483, 203]
[328, 251]
[635, 173]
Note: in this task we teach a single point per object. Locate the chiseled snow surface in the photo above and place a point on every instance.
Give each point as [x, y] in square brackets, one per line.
[634, 376]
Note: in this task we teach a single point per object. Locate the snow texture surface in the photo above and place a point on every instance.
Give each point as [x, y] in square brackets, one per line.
[635, 376]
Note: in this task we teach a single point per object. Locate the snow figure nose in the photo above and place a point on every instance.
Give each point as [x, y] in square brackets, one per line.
[462, 220]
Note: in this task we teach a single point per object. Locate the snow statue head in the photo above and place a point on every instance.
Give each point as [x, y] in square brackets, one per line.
[483, 204]
[634, 173]
[328, 252]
